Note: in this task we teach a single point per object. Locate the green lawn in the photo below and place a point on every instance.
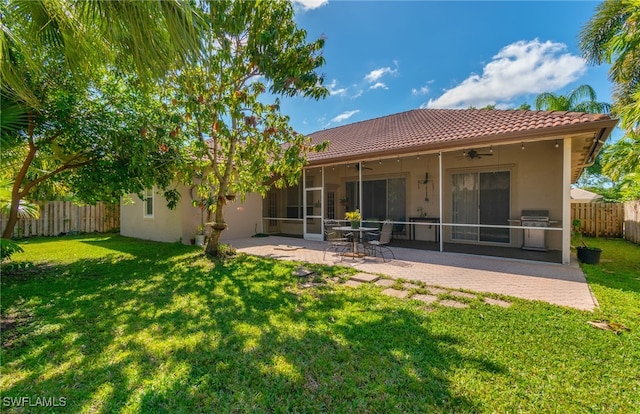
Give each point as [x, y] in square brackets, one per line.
[112, 324]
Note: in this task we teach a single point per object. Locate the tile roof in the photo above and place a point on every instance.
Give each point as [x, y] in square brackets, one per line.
[434, 129]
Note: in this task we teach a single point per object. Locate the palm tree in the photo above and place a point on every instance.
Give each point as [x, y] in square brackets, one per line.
[581, 99]
[612, 36]
[150, 36]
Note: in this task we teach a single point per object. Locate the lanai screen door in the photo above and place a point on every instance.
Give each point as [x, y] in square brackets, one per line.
[481, 198]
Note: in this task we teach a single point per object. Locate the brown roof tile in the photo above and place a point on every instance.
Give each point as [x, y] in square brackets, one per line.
[434, 129]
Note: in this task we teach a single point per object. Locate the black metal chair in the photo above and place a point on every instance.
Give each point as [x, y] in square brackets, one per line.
[337, 242]
[375, 242]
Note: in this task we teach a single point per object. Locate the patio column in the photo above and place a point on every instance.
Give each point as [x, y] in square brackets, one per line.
[440, 191]
[360, 186]
[566, 201]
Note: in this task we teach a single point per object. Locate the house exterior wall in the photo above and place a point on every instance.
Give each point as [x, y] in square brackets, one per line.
[536, 182]
[243, 218]
[182, 223]
[165, 225]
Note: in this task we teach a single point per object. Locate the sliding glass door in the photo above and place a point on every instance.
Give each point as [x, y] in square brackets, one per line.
[481, 198]
[381, 199]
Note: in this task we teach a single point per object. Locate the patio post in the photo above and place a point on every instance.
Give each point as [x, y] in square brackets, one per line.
[440, 200]
[566, 200]
[360, 186]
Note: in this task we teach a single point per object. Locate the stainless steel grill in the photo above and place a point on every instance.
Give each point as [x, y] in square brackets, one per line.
[534, 238]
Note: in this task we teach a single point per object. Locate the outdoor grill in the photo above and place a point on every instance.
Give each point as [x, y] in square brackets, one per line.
[534, 238]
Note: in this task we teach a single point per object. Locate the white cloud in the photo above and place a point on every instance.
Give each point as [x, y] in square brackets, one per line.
[378, 85]
[422, 91]
[345, 115]
[376, 74]
[333, 90]
[310, 4]
[519, 68]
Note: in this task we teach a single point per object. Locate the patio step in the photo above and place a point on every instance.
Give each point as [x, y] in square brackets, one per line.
[364, 277]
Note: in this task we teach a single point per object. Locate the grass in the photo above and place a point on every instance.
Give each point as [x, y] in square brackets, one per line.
[113, 324]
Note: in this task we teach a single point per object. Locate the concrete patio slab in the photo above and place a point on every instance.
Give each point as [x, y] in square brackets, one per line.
[497, 302]
[453, 304]
[395, 293]
[385, 282]
[353, 283]
[425, 298]
[563, 285]
[365, 277]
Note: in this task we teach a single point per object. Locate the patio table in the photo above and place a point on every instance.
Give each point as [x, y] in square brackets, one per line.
[359, 232]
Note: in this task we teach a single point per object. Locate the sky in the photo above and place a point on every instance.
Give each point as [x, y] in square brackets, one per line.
[387, 57]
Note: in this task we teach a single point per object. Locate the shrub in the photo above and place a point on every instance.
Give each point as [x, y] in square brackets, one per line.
[7, 248]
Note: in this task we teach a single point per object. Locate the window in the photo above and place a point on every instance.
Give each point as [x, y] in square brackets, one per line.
[381, 199]
[148, 203]
[294, 201]
[331, 205]
[481, 198]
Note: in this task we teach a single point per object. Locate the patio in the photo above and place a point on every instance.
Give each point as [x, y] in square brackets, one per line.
[563, 285]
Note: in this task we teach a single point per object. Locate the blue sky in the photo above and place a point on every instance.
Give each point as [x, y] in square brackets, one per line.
[386, 57]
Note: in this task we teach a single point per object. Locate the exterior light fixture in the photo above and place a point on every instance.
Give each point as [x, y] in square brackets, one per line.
[522, 147]
[557, 144]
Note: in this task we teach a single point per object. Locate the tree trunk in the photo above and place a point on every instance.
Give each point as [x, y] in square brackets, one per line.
[13, 218]
[16, 194]
[219, 226]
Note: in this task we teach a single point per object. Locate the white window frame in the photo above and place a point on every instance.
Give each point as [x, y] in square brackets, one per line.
[148, 195]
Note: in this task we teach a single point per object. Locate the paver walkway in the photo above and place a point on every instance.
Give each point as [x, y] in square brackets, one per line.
[563, 285]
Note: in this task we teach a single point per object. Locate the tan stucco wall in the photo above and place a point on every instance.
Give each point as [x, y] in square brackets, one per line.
[182, 223]
[243, 219]
[165, 225]
[536, 181]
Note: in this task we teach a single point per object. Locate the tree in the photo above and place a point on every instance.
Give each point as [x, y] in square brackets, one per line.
[66, 118]
[238, 142]
[581, 99]
[149, 36]
[613, 36]
[98, 142]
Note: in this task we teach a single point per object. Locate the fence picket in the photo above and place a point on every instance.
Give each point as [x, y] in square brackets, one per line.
[58, 217]
[632, 221]
[599, 219]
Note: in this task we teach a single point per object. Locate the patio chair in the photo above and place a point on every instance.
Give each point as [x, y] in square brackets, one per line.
[337, 242]
[375, 242]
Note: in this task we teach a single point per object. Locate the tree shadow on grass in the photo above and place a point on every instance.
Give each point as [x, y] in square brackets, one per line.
[181, 334]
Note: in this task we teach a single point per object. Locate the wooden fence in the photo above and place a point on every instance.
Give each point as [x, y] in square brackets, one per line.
[632, 221]
[599, 219]
[64, 217]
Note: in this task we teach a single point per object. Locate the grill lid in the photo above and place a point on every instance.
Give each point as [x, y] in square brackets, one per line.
[535, 215]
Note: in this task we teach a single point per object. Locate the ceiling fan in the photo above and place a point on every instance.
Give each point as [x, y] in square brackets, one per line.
[475, 154]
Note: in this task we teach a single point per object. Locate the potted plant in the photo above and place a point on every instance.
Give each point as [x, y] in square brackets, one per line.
[354, 217]
[200, 236]
[344, 201]
[203, 204]
[586, 254]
